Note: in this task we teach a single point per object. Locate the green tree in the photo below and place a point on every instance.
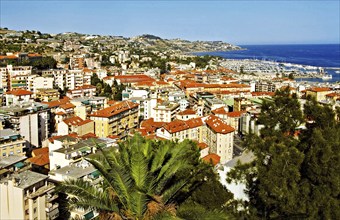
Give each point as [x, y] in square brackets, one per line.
[293, 177]
[320, 143]
[143, 180]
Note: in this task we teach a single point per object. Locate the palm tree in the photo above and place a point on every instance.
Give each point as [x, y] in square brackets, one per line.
[142, 180]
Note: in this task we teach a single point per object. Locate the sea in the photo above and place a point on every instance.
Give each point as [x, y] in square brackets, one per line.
[319, 55]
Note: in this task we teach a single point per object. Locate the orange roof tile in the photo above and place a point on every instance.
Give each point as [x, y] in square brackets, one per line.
[216, 124]
[187, 112]
[133, 78]
[67, 106]
[83, 87]
[320, 89]
[176, 126]
[235, 114]
[19, 92]
[194, 122]
[40, 160]
[212, 158]
[114, 109]
[76, 121]
[88, 135]
[202, 145]
[39, 151]
[57, 103]
[219, 111]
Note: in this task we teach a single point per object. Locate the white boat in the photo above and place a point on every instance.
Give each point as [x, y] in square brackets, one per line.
[338, 71]
[326, 76]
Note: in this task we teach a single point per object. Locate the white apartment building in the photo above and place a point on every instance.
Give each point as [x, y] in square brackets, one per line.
[165, 112]
[18, 97]
[59, 76]
[27, 195]
[42, 83]
[74, 79]
[9, 72]
[30, 120]
[149, 105]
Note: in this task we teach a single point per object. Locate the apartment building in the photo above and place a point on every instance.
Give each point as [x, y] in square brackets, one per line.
[27, 195]
[11, 143]
[165, 112]
[75, 125]
[18, 97]
[82, 91]
[30, 120]
[59, 76]
[181, 130]
[19, 73]
[117, 119]
[219, 136]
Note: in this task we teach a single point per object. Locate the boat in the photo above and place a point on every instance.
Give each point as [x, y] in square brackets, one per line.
[338, 71]
[326, 76]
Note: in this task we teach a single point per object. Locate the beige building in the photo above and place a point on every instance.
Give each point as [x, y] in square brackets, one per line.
[27, 195]
[181, 130]
[318, 93]
[11, 143]
[75, 125]
[220, 137]
[165, 112]
[117, 119]
[47, 95]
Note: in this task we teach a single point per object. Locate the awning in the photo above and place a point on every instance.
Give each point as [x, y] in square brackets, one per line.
[85, 149]
[89, 215]
[19, 165]
[95, 174]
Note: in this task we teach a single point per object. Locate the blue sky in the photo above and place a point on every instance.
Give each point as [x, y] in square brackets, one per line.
[237, 22]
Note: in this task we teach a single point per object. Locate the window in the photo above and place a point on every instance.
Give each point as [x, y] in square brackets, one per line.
[4, 154]
[34, 210]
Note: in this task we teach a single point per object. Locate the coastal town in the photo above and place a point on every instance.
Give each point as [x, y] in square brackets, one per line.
[66, 95]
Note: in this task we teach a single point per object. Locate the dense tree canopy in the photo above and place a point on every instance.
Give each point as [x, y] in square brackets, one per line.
[296, 172]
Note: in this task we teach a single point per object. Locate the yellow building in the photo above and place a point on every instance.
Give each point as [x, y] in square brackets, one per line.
[117, 119]
[11, 144]
[318, 93]
[47, 95]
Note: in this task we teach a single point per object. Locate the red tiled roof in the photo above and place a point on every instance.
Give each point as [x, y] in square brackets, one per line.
[60, 113]
[67, 106]
[212, 158]
[57, 103]
[194, 122]
[40, 160]
[202, 145]
[235, 114]
[113, 136]
[219, 111]
[114, 109]
[88, 135]
[216, 124]
[133, 78]
[333, 94]
[76, 121]
[83, 87]
[150, 126]
[39, 151]
[320, 89]
[40, 156]
[187, 112]
[176, 126]
[19, 92]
